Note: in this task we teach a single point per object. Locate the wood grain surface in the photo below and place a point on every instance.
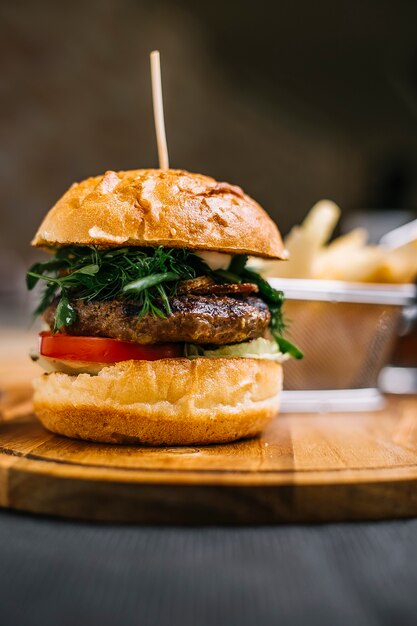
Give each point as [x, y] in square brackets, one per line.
[305, 467]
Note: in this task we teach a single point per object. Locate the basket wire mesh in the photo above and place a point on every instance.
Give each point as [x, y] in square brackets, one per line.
[345, 344]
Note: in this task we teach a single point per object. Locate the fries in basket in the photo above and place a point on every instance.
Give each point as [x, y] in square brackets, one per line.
[347, 258]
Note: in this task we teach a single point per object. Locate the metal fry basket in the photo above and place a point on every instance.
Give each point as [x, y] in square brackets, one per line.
[347, 332]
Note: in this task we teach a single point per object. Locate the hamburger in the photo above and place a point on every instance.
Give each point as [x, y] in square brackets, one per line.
[157, 331]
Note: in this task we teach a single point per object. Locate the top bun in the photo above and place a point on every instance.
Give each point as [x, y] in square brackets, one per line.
[160, 207]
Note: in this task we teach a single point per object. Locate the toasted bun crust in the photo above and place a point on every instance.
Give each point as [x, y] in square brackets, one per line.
[166, 402]
[157, 207]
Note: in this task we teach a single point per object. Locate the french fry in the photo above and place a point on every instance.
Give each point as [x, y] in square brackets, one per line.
[302, 250]
[397, 266]
[331, 260]
[321, 221]
[347, 258]
[304, 242]
[359, 266]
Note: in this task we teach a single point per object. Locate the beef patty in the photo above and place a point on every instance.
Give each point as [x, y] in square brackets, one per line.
[195, 319]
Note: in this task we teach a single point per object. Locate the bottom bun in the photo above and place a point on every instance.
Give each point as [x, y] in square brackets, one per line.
[165, 402]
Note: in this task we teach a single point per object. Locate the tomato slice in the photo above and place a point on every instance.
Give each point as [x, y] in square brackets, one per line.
[102, 349]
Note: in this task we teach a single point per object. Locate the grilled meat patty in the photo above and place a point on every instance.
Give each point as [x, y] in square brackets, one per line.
[195, 319]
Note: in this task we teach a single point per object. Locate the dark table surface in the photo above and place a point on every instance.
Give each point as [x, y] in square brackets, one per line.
[65, 573]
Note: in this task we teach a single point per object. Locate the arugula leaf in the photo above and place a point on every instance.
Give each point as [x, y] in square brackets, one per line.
[286, 346]
[90, 270]
[65, 314]
[38, 269]
[237, 263]
[227, 276]
[149, 281]
[46, 299]
[269, 293]
[33, 276]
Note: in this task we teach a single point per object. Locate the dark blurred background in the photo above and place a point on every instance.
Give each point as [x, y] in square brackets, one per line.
[294, 101]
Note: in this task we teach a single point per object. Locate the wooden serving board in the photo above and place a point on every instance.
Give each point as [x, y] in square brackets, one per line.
[305, 467]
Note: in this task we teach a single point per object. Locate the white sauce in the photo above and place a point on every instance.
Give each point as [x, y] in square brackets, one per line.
[216, 260]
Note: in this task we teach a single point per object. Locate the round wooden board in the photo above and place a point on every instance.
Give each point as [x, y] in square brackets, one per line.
[305, 467]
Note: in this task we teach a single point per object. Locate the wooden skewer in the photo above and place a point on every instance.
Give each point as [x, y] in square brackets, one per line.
[158, 110]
